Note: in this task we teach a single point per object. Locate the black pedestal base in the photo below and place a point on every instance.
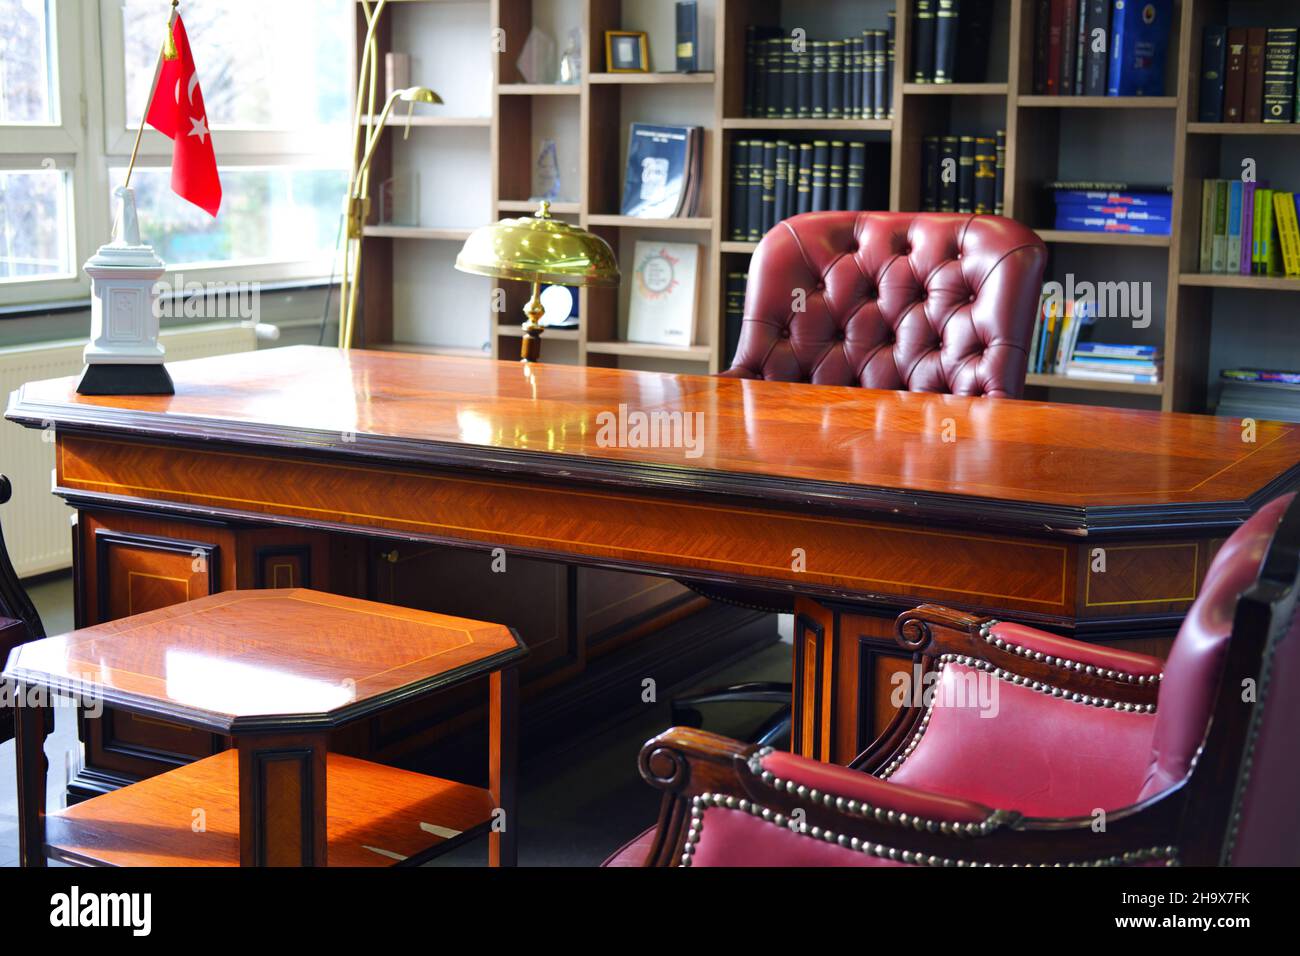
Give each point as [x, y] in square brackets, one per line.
[126, 380]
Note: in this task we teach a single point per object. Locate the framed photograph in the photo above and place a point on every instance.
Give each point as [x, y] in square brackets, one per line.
[665, 291]
[626, 51]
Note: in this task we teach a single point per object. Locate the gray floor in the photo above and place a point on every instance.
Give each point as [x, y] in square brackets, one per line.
[576, 806]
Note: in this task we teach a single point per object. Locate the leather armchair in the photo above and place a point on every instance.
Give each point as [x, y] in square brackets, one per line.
[19, 622]
[923, 302]
[1091, 756]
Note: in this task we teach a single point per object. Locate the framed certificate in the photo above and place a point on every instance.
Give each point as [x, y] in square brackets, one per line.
[665, 291]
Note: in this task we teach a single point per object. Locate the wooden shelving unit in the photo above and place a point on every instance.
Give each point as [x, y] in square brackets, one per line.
[1042, 141]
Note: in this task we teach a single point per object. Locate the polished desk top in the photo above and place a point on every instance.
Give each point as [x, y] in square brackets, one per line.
[1056, 467]
[225, 661]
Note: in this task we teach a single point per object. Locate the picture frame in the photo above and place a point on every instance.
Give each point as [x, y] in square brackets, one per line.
[626, 51]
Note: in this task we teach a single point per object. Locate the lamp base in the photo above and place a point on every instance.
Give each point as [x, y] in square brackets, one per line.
[125, 379]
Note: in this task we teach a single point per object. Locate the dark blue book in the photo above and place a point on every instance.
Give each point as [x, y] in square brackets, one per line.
[1138, 44]
[1214, 67]
[688, 36]
[658, 163]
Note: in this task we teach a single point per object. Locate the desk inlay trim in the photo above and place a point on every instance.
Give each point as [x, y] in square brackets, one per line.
[675, 534]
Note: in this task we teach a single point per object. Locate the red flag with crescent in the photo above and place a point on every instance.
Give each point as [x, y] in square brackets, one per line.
[177, 112]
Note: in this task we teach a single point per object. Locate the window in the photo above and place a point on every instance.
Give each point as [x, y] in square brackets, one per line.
[74, 82]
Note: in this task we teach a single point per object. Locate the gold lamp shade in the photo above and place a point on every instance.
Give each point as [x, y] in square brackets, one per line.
[539, 249]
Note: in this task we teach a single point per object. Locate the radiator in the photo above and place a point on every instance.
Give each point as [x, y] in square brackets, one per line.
[36, 523]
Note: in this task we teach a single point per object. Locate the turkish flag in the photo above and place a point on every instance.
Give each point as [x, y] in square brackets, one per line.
[177, 111]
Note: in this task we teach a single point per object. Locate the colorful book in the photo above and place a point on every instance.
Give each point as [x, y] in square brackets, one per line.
[1233, 259]
[1288, 232]
[1247, 227]
[1207, 226]
[1219, 258]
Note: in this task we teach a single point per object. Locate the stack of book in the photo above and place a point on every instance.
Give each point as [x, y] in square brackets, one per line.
[1248, 229]
[792, 77]
[1260, 394]
[1108, 362]
[963, 173]
[663, 171]
[1248, 75]
[1101, 47]
[772, 180]
[1056, 330]
[1113, 207]
[950, 40]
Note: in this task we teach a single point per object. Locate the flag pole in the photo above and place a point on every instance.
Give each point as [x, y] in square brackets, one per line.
[167, 45]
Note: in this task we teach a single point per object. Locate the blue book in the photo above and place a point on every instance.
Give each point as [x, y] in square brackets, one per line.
[1068, 197]
[658, 167]
[1214, 68]
[1102, 224]
[1116, 351]
[1138, 44]
[1115, 212]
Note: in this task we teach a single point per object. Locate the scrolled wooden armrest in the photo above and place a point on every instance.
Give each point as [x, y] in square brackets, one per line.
[1075, 667]
[702, 772]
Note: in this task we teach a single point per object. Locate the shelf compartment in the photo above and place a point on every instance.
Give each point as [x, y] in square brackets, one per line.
[1234, 281]
[810, 125]
[685, 353]
[452, 233]
[1070, 237]
[1038, 101]
[645, 79]
[1094, 385]
[696, 223]
[377, 816]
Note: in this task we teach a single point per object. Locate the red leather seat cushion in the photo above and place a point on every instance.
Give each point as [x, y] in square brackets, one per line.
[1040, 755]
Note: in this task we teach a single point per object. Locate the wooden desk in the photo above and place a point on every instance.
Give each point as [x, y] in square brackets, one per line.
[846, 505]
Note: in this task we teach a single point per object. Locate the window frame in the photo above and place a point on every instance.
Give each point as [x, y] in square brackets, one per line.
[66, 143]
[91, 138]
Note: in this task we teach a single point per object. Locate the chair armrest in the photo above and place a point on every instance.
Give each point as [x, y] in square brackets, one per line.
[1035, 657]
[787, 799]
[698, 770]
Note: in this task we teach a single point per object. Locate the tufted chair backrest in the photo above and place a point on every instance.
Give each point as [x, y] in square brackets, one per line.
[922, 302]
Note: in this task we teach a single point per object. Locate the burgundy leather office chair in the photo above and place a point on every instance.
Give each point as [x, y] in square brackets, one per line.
[19, 622]
[1190, 760]
[922, 302]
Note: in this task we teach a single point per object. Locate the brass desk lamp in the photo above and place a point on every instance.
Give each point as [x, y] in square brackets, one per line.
[539, 249]
[358, 207]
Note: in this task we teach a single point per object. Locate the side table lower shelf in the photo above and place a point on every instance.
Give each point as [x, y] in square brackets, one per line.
[376, 816]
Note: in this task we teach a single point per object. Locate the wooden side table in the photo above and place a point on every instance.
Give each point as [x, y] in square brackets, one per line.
[276, 671]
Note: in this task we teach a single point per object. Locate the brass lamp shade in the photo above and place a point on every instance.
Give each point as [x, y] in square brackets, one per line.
[539, 249]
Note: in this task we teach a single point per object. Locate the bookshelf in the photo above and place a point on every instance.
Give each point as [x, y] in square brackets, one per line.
[1145, 139]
